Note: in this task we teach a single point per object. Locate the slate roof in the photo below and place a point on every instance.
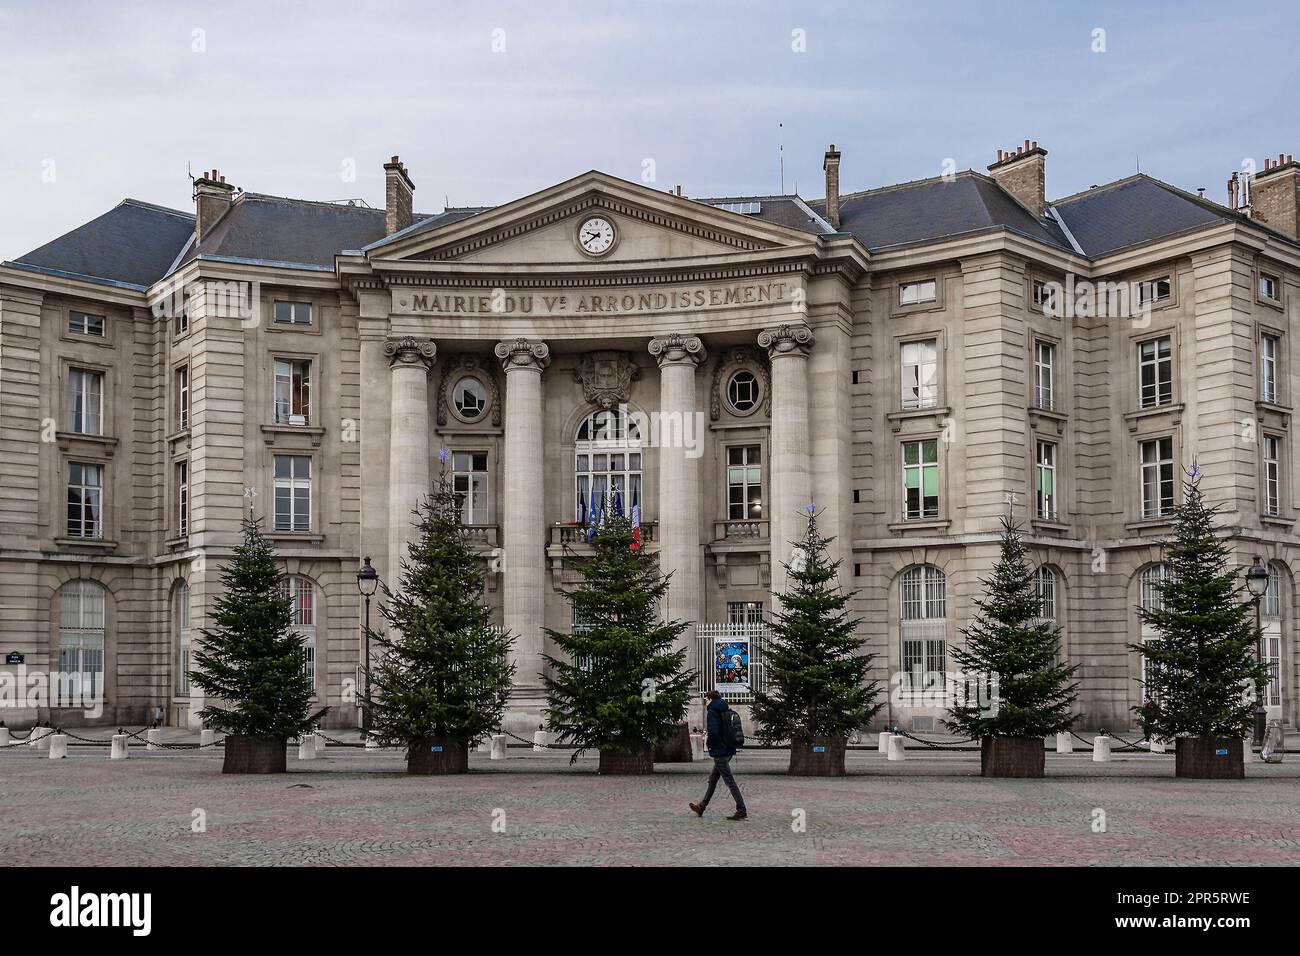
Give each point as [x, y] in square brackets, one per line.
[134, 243]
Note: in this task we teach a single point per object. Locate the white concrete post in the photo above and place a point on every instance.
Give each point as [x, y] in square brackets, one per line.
[58, 746]
[1100, 749]
[207, 737]
[372, 743]
[883, 745]
[1157, 746]
[306, 747]
[1064, 743]
[319, 738]
[896, 749]
[498, 747]
[790, 480]
[39, 738]
[523, 520]
[540, 739]
[408, 450]
[679, 480]
[119, 749]
[697, 746]
[4, 736]
[153, 737]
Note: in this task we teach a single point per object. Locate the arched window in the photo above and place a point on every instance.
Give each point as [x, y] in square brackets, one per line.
[182, 622]
[923, 628]
[607, 463]
[81, 643]
[1270, 613]
[1150, 598]
[303, 593]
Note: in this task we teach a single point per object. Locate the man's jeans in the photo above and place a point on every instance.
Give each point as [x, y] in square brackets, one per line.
[721, 768]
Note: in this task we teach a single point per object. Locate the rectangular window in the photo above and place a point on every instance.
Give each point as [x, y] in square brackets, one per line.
[83, 323]
[920, 374]
[183, 398]
[293, 313]
[744, 482]
[921, 479]
[915, 293]
[1157, 477]
[182, 322]
[1268, 353]
[1045, 481]
[85, 402]
[1044, 375]
[1044, 295]
[744, 614]
[1268, 286]
[292, 493]
[1156, 372]
[85, 500]
[1153, 290]
[469, 482]
[292, 392]
[182, 498]
[1272, 475]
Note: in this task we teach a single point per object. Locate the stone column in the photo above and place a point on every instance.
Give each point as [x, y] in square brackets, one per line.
[523, 517]
[408, 449]
[679, 479]
[789, 472]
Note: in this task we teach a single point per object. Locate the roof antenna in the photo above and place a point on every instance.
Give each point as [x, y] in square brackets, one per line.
[189, 170]
[1137, 158]
[780, 150]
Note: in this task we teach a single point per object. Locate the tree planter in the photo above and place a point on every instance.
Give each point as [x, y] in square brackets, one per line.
[677, 748]
[438, 755]
[627, 762]
[1012, 756]
[253, 755]
[818, 757]
[1210, 758]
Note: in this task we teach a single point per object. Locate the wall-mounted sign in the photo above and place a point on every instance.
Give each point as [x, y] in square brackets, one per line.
[14, 657]
[731, 663]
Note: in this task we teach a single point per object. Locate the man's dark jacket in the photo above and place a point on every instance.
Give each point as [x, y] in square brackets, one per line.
[717, 714]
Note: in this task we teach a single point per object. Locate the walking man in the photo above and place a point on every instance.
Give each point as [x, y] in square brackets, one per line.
[722, 747]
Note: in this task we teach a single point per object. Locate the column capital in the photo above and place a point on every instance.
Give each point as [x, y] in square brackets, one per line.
[408, 351]
[786, 340]
[521, 353]
[675, 349]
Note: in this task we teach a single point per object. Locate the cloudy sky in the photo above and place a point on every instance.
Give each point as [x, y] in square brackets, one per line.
[489, 101]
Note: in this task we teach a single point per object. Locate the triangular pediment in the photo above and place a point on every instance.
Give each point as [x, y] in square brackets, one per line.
[648, 225]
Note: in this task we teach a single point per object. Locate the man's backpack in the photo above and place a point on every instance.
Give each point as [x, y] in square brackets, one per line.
[733, 732]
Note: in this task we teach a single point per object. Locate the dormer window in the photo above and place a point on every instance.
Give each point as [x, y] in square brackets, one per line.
[917, 293]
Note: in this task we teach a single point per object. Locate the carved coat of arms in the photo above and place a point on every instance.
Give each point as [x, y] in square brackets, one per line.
[606, 377]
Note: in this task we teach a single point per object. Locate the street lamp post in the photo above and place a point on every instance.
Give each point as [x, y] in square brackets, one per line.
[367, 583]
[1257, 583]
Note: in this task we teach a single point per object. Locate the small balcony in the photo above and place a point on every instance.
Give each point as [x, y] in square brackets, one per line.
[741, 530]
[480, 535]
[574, 536]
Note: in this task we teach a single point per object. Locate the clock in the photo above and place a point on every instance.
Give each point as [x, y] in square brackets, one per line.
[596, 236]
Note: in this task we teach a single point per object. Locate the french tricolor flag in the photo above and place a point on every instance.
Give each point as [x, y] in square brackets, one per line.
[636, 526]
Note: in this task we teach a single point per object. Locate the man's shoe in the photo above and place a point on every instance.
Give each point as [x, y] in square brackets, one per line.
[739, 815]
[699, 810]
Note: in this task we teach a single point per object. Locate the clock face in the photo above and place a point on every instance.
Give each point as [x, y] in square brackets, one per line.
[596, 236]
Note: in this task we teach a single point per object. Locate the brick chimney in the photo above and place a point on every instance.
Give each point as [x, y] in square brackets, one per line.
[212, 197]
[1024, 175]
[1275, 195]
[831, 164]
[398, 189]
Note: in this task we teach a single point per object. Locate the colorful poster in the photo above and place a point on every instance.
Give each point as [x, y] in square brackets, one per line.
[731, 663]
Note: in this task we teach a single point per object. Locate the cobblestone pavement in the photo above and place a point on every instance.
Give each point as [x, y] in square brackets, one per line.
[355, 807]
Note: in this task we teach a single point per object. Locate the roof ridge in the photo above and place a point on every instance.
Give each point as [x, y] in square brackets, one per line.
[150, 205]
[1094, 190]
[909, 184]
[246, 195]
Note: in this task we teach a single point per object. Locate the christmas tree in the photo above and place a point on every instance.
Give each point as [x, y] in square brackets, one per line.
[252, 660]
[441, 673]
[1015, 683]
[814, 666]
[1202, 669]
[619, 685]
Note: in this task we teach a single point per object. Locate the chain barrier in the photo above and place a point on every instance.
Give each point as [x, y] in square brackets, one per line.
[148, 742]
[339, 743]
[1136, 747]
[25, 741]
[935, 745]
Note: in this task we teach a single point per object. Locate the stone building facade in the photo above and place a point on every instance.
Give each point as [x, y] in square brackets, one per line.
[916, 359]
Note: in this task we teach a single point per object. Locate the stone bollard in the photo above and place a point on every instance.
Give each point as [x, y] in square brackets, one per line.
[484, 746]
[896, 749]
[58, 746]
[40, 738]
[540, 739]
[207, 737]
[498, 747]
[697, 746]
[1157, 746]
[372, 743]
[1100, 749]
[320, 744]
[306, 747]
[119, 750]
[1064, 743]
[4, 736]
[153, 738]
[883, 745]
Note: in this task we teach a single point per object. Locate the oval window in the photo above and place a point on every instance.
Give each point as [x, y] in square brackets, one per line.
[742, 391]
[469, 397]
